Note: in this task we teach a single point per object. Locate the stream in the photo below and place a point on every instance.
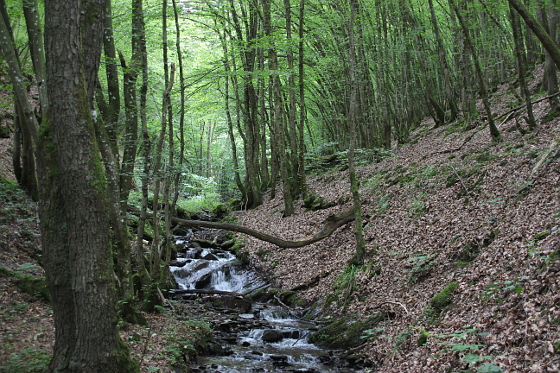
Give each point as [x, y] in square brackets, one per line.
[249, 336]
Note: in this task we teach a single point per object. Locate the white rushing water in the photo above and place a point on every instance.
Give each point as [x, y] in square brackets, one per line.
[215, 269]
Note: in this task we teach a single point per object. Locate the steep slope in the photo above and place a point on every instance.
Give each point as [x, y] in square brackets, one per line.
[447, 207]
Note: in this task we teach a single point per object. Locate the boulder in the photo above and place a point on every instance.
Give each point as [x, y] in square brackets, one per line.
[272, 335]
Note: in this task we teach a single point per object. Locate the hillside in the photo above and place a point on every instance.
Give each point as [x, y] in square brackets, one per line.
[449, 206]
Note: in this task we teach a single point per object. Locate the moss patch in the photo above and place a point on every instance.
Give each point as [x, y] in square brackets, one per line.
[443, 298]
[345, 333]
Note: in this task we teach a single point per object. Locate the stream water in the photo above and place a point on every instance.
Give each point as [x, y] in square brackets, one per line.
[252, 337]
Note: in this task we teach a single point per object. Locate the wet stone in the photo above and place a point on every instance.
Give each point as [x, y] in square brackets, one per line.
[210, 256]
[272, 335]
[294, 334]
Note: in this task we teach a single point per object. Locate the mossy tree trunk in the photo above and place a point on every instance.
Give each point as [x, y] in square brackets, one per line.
[74, 208]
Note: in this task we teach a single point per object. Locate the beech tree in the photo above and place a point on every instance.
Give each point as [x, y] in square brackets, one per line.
[74, 207]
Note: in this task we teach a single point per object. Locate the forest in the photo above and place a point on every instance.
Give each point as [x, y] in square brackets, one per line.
[392, 164]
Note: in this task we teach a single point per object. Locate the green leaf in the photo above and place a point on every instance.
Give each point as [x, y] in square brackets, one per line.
[459, 347]
[490, 368]
[472, 358]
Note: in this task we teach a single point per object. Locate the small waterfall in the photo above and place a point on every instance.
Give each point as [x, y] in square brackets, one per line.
[212, 269]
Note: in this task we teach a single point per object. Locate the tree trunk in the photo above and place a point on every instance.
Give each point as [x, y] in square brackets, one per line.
[73, 205]
[277, 119]
[354, 184]
[302, 107]
[522, 65]
[494, 132]
[26, 120]
[548, 43]
[444, 65]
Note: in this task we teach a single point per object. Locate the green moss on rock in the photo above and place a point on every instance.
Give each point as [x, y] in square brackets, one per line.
[344, 333]
[443, 298]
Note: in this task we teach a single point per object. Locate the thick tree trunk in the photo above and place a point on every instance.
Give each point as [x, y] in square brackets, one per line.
[73, 202]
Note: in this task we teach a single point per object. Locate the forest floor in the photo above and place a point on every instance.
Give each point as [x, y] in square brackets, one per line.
[447, 206]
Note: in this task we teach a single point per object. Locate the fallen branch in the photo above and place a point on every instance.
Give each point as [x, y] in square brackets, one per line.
[469, 137]
[204, 291]
[331, 224]
[524, 105]
[314, 281]
[287, 308]
[553, 147]
[461, 180]
[392, 302]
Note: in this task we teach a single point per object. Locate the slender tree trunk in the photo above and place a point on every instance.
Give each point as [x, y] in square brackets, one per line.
[494, 132]
[111, 113]
[292, 125]
[25, 115]
[37, 48]
[522, 65]
[302, 107]
[354, 184]
[444, 65]
[231, 135]
[548, 43]
[177, 175]
[277, 115]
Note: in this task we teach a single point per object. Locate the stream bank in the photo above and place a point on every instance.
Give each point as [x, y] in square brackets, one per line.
[256, 328]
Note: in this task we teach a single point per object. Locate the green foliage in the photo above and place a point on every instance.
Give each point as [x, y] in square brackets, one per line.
[383, 204]
[373, 184]
[542, 235]
[416, 207]
[263, 253]
[129, 312]
[13, 309]
[27, 281]
[185, 342]
[468, 351]
[344, 286]
[237, 249]
[499, 289]
[29, 360]
[421, 268]
[314, 202]
[423, 339]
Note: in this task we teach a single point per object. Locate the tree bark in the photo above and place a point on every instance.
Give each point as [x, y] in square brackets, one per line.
[73, 205]
[354, 184]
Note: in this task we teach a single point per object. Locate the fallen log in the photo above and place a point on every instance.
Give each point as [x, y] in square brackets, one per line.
[331, 224]
[204, 291]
